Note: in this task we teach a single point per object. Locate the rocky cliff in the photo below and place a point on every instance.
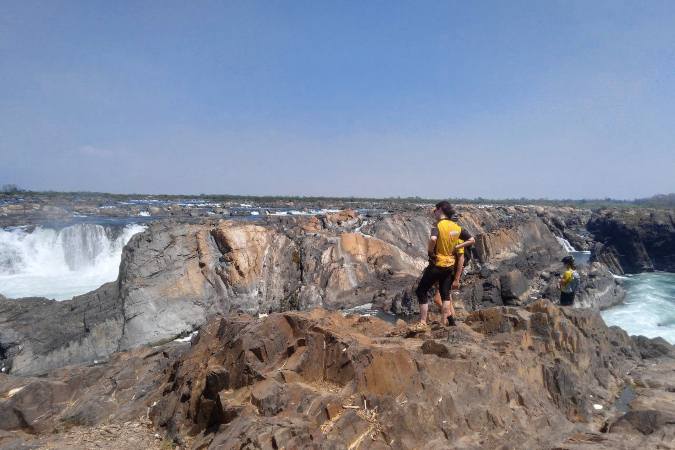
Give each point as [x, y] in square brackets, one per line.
[534, 377]
[174, 276]
[634, 240]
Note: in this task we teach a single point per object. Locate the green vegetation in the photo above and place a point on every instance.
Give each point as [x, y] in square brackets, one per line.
[657, 201]
[9, 189]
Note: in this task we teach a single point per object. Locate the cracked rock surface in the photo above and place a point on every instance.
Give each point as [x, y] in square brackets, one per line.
[175, 275]
[533, 377]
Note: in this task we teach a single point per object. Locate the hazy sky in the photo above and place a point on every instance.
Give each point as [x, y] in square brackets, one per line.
[366, 98]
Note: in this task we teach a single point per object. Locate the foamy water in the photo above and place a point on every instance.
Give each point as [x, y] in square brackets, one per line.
[649, 309]
[60, 264]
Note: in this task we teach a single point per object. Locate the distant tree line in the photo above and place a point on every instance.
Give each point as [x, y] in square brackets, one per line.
[10, 189]
[656, 201]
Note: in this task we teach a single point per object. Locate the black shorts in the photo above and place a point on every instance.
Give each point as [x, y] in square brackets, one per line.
[431, 275]
[566, 298]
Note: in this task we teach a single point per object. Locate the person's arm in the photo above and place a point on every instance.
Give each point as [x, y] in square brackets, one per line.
[431, 246]
[459, 268]
[467, 238]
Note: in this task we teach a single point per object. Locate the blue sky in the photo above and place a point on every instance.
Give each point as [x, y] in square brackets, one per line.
[376, 98]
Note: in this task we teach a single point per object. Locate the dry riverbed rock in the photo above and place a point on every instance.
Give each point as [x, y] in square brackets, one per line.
[520, 378]
[176, 275]
[533, 377]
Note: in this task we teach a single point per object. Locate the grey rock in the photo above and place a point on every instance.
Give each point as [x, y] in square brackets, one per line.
[513, 286]
[634, 240]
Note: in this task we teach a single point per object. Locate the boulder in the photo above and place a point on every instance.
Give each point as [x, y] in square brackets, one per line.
[634, 240]
[651, 348]
[513, 286]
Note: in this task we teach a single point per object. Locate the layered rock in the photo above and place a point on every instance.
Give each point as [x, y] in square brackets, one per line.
[523, 378]
[570, 224]
[514, 377]
[534, 377]
[634, 240]
[175, 275]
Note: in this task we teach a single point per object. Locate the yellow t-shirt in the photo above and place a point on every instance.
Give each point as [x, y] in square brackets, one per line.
[447, 238]
[570, 281]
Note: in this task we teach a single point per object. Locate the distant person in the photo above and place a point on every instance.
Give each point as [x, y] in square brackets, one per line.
[569, 282]
[444, 245]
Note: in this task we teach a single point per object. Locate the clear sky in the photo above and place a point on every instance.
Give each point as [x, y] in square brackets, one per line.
[365, 98]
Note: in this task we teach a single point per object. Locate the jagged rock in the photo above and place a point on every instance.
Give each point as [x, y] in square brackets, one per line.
[188, 272]
[174, 276]
[599, 289]
[634, 240]
[535, 354]
[121, 389]
[517, 377]
[654, 347]
[646, 422]
[513, 286]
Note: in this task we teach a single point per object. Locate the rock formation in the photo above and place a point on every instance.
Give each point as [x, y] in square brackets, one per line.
[634, 240]
[175, 275]
[534, 377]
[518, 372]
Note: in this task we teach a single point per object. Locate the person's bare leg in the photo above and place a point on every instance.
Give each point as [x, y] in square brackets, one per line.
[447, 309]
[424, 312]
[437, 299]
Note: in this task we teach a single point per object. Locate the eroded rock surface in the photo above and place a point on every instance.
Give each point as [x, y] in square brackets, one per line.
[537, 377]
[533, 377]
[174, 276]
[634, 240]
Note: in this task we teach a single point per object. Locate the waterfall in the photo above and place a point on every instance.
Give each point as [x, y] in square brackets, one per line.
[60, 263]
[582, 257]
[565, 244]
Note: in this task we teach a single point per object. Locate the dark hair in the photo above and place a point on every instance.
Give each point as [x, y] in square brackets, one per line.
[447, 209]
[569, 260]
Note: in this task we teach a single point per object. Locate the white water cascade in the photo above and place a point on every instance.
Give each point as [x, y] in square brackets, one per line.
[62, 263]
[581, 257]
[565, 244]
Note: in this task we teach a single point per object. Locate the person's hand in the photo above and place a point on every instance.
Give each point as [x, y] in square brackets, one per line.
[455, 285]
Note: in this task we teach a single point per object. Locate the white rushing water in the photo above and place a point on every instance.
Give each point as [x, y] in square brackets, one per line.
[582, 257]
[60, 263]
[565, 244]
[649, 309]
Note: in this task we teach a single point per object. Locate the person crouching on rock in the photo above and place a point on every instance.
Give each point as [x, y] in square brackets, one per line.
[569, 282]
[442, 250]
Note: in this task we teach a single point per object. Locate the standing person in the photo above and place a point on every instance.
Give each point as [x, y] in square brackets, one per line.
[569, 282]
[459, 267]
[442, 250]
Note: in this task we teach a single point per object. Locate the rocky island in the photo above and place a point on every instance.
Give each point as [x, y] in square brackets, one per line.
[229, 333]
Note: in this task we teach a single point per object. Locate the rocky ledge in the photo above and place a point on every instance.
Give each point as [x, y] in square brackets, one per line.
[533, 377]
[634, 240]
[175, 275]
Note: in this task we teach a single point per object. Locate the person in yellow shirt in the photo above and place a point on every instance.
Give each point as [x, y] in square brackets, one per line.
[569, 282]
[459, 267]
[444, 245]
